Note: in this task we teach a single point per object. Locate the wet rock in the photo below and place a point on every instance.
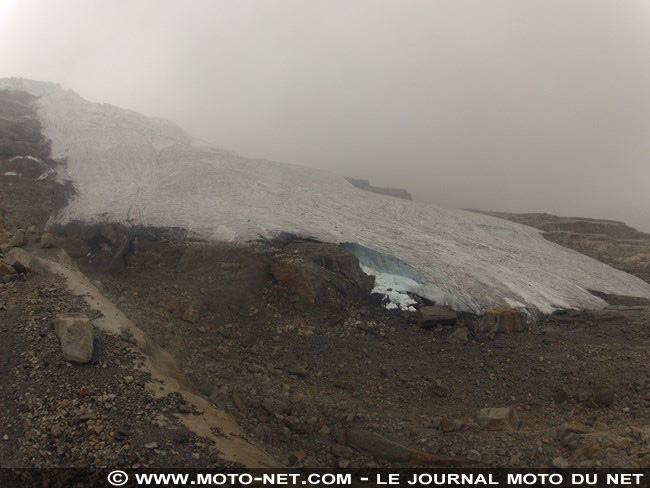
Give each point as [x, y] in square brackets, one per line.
[504, 320]
[429, 317]
[498, 419]
[75, 333]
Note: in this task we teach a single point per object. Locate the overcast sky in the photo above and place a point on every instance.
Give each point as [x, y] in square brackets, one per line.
[513, 105]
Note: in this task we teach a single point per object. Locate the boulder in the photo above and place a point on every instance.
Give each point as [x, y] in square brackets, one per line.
[75, 333]
[429, 317]
[504, 319]
[498, 419]
[19, 259]
[47, 241]
[18, 239]
[6, 269]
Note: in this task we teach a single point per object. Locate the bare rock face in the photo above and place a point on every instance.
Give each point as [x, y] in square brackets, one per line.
[301, 277]
[504, 319]
[429, 317]
[75, 333]
[498, 419]
[321, 273]
[393, 192]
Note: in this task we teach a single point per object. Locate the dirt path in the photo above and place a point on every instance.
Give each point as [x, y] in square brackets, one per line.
[160, 364]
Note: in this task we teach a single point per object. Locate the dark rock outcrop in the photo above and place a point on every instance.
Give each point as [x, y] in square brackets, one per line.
[393, 192]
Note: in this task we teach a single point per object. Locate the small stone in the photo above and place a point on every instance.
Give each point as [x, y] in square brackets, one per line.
[340, 451]
[560, 396]
[474, 455]
[275, 406]
[438, 389]
[191, 315]
[601, 397]
[461, 334]
[447, 425]
[560, 463]
[498, 419]
[151, 445]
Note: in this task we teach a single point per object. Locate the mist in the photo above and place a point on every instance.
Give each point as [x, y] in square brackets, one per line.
[508, 105]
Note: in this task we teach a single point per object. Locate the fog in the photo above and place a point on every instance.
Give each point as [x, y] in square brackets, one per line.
[510, 105]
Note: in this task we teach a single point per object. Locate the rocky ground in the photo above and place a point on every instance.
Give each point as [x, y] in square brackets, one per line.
[279, 336]
[57, 413]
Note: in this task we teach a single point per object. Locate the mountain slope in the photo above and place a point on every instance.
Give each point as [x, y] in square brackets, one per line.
[127, 167]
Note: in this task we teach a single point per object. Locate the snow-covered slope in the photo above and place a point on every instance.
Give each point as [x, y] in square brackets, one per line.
[128, 167]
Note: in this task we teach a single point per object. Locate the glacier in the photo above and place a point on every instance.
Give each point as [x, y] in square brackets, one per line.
[138, 170]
